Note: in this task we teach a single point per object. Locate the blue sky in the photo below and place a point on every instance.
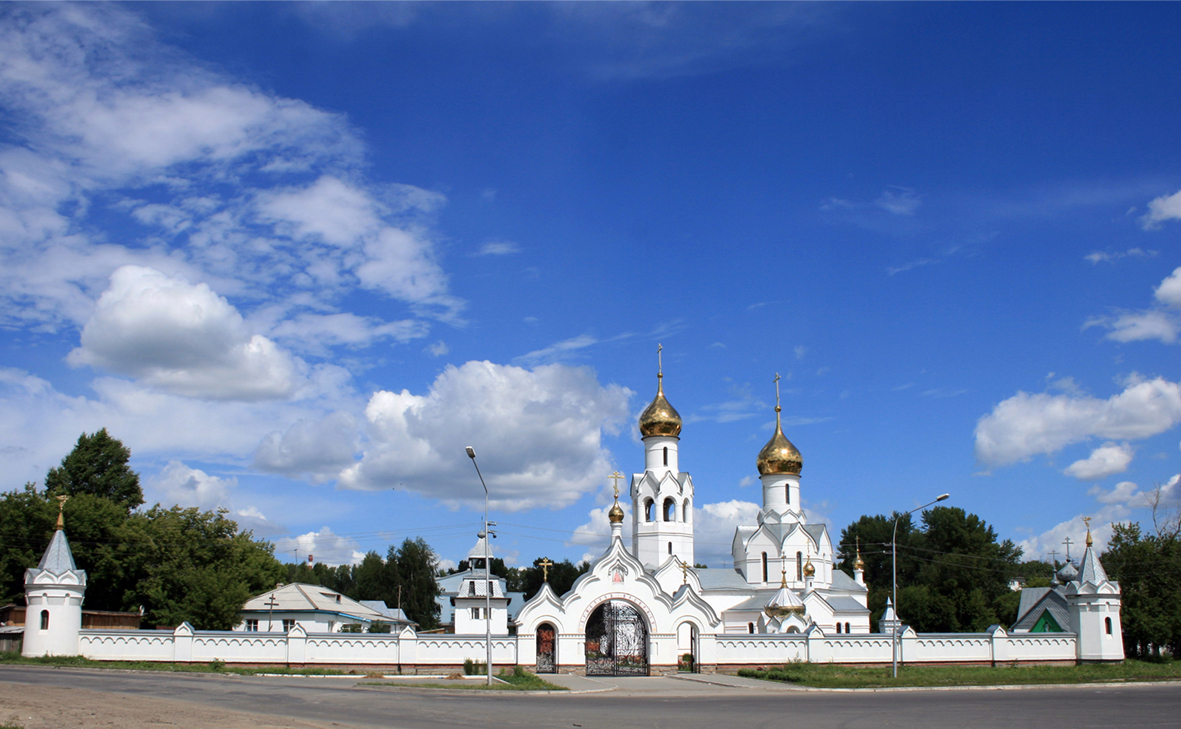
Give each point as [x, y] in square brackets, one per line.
[298, 256]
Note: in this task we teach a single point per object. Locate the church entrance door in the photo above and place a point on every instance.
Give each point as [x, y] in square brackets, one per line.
[616, 641]
[546, 639]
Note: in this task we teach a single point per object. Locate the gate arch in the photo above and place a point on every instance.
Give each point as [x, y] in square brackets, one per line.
[616, 640]
[547, 649]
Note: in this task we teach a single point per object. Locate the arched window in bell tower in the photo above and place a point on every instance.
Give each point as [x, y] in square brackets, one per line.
[649, 510]
[787, 493]
[666, 455]
[670, 509]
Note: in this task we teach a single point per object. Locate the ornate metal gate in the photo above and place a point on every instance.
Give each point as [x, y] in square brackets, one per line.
[545, 649]
[616, 641]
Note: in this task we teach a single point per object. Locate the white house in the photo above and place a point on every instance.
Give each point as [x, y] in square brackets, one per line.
[314, 608]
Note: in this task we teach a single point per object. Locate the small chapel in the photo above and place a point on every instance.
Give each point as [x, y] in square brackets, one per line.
[644, 604]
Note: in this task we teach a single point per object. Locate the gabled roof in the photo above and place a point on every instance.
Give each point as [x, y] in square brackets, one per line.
[721, 579]
[1047, 600]
[477, 586]
[481, 550]
[58, 558]
[842, 581]
[845, 604]
[300, 597]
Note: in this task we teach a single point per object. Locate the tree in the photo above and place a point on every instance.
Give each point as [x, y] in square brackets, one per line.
[413, 566]
[561, 576]
[953, 575]
[97, 466]
[1148, 569]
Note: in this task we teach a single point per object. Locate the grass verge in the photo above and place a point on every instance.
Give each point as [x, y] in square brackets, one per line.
[11, 658]
[519, 680]
[824, 675]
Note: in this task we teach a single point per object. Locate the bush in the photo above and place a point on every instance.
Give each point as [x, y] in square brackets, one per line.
[379, 626]
[351, 628]
[474, 668]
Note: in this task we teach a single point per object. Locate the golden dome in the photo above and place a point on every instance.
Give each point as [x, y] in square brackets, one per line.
[809, 570]
[779, 455]
[660, 418]
[616, 514]
[858, 564]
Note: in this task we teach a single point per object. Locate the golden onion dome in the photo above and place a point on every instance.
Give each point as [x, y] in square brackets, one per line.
[809, 570]
[859, 564]
[660, 417]
[616, 514]
[779, 455]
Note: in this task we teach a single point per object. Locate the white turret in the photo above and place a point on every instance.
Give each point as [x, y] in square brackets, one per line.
[1094, 605]
[662, 496]
[54, 590]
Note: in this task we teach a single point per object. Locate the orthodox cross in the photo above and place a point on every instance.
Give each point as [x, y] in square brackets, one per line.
[783, 569]
[684, 573]
[1067, 542]
[271, 605]
[776, 389]
[615, 478]
[61, 505]
[659, 360]
[545, 564]
[1087, 521]
[1054, 557]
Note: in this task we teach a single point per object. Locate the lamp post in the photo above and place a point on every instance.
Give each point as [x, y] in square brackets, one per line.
[894, 559]
[471, 453]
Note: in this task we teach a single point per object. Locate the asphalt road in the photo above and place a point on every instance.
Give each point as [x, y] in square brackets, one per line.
[637, 702]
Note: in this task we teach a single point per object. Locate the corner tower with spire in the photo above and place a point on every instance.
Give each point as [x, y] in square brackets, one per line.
[54, 590]
[662, 496]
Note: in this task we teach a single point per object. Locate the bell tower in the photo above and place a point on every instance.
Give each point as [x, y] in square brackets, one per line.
[662, 496]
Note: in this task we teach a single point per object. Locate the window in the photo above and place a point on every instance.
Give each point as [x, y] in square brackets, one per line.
[799, 566]
[475, 613]
[670, 509]
[787, 493]
[288, 625]
[45, 620]
[764, 566]
[471, 589]
[649, 510]
[252, 626]
[685, 515]
[838, 628]
[1107, 622]
[670, 547]
[847, 628]
[750, 628]
[666, 455]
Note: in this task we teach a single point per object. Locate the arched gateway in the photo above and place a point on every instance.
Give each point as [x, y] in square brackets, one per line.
[616, 641]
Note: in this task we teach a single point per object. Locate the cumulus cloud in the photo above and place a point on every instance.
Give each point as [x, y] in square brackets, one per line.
[323, 546]
[713, 529]
[184, 486]
[1028, 424]
[595, 534]
[537, 434]
[182, 338]
[498, 248]
[1161, 322]
[317, 449]
[1165, 207]
[1104, 461]
[1074, 529]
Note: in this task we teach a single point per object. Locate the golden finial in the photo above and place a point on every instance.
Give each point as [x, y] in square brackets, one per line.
[858, 564]
[782, 570]
[545, 564]
[615, 478]
[61, 505]
[684, 573]
[659, 362]
[809, 569]
[779, 456]
[1087, 521]
[777, 408]
[660, 417]
[615, 515]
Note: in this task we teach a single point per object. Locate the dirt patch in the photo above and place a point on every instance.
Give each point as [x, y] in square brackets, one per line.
[43, 707]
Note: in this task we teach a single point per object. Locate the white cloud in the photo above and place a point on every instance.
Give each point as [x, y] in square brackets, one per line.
[1169, 291]
[498, 248]
[537, 434]
[899, 201]
[1039, 546]
[438, 349]
[1165, 207]
[559, 350]
[1097, 257]
[596, 532]
[1028, 424]
[1122, 493]
[324, 546]
[315, 449]
[181, 338]
[252, 520]
[184, 486]
[713, 529]
[1104, 461]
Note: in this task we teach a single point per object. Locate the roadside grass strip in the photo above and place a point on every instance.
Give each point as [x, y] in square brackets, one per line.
[13, 658]
[835, 676]
[519, 680]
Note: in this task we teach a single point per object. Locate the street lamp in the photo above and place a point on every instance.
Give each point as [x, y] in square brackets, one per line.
[894, 559]
[471, 453]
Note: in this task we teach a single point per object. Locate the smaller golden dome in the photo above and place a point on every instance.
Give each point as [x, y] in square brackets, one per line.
[809, 570]
[779, 456]
[660, 417]
[859, 564]
[616, 514]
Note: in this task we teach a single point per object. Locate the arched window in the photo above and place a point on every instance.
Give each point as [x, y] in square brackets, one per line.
[45, 620]
[1107, 622]
[838, 628]
[685, 514]
[799, 566]
[750, 628]
[670, 547]
[649, 510]
[847, 628]
[764, 566]
[787, 493]
[666, 455]
[670, 509]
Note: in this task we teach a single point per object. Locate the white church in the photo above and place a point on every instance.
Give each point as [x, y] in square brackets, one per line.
[641, 609]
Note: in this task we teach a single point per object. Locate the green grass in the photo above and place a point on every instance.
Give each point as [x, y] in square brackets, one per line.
[211, 667]
[826, 675]
[519, 680]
